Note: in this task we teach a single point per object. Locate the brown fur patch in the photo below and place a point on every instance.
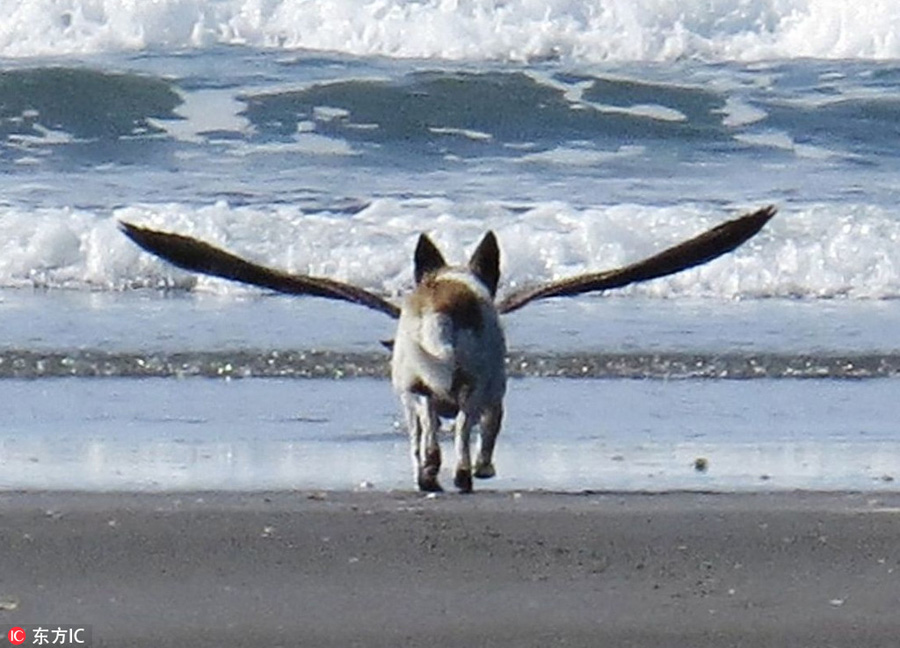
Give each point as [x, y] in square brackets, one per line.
[453, 298]
[445, 407]
[419, 387]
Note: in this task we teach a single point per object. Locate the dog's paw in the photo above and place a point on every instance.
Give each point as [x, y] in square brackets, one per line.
[428, 481]
[463, 481]
[485, 471]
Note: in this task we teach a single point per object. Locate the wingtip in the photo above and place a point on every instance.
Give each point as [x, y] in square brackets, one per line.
[765, 214]
[172, 247]
[752, 222]
[131, 231]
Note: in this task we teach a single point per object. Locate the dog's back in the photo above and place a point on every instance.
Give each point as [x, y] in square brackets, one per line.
[450, 345]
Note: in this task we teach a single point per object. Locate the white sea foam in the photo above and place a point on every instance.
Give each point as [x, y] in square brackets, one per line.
[738, 113]
[608, 30]
[651, 111]
[204, 112]
[581, 156]
[784, 142]
[812, 252]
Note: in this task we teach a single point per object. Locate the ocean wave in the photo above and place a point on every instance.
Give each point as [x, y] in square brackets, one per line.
[336, 365]
[518, 30]
[458, 111]
[556, 117]
[82, 104]
[818, 251]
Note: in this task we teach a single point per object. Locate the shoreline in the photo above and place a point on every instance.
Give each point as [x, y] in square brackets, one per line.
[339, 568]
[314, 364]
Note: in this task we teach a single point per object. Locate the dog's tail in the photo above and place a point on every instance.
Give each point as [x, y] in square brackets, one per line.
[435, 351]
[438, 336]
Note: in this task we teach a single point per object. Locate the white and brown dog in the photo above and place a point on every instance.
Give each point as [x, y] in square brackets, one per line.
[449, 360]
[449, 352]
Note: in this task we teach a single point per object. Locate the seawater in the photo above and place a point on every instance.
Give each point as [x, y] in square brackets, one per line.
[323, 137]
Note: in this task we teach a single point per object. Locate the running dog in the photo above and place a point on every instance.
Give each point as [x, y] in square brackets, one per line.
[448, 358]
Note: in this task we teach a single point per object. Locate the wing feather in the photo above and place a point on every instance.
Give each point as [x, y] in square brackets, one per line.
[693, 252]
[197, 256]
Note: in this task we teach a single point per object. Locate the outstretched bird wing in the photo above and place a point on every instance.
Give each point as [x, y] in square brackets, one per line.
[698, 250]
[191, 254]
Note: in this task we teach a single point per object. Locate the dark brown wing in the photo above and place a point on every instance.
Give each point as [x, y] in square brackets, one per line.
[700, 249]
[191, 254]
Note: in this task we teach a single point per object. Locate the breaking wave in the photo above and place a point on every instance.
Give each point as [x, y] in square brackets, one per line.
[604, 30]
[818, 252]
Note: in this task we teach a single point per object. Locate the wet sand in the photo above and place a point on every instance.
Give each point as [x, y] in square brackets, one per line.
[493, 569]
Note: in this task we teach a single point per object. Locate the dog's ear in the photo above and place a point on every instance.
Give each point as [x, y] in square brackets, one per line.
[427, 258]
[485, 262]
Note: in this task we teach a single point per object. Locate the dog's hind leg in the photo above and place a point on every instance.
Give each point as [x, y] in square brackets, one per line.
[430, 426]
[491, 421]
[414, 428]
[462, 435]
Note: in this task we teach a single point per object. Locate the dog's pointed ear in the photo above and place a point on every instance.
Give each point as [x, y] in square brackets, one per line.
[485, 262]
[427, 258]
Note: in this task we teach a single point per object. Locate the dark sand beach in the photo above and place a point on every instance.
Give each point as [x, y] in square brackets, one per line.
[513, 569]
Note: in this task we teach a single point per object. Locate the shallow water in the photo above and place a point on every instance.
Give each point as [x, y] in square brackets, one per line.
[560, 434]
